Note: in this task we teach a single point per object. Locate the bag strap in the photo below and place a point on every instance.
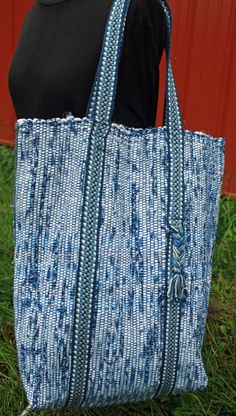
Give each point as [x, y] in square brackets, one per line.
[102, 97]
[100, 109]
[106, 77]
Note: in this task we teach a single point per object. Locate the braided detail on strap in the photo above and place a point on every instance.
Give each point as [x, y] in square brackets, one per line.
[177, 288]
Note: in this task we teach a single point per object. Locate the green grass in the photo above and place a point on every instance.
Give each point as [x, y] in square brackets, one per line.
[219, 398]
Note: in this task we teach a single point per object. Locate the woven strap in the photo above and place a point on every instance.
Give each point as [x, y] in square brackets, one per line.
[107, 70]
[102, 97]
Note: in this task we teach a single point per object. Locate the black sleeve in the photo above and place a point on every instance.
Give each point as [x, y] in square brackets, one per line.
[147, 16]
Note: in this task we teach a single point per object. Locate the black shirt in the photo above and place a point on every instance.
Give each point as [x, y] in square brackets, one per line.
[58, 51]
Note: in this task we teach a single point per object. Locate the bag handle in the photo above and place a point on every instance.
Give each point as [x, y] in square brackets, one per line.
[102, 98]
[101, 103]
[100, 109]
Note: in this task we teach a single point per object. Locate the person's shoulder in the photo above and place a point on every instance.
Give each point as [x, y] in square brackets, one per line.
[150, 9]
[27, 21]
[153, 14]
[146, 11]
[146, 16]
[30, 13]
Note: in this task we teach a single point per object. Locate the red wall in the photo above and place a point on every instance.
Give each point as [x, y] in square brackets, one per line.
[204, 62]
[12, 13]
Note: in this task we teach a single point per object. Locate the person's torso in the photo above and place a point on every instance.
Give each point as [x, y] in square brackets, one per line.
[57, 55]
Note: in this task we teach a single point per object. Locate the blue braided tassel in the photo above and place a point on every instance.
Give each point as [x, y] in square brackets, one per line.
[27, 411]
[177, 289]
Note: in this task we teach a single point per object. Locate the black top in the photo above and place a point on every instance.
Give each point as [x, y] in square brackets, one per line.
[58, 51]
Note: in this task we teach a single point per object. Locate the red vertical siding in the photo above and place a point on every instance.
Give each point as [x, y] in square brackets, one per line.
[6, 49]
[12, 13]
[204, 63]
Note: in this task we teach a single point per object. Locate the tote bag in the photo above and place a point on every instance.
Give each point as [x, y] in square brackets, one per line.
[114, 231]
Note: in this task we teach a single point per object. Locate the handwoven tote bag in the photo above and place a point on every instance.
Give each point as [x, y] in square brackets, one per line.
[114, 230]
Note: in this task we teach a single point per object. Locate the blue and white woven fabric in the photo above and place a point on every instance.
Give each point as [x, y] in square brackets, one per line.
[114, 231]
